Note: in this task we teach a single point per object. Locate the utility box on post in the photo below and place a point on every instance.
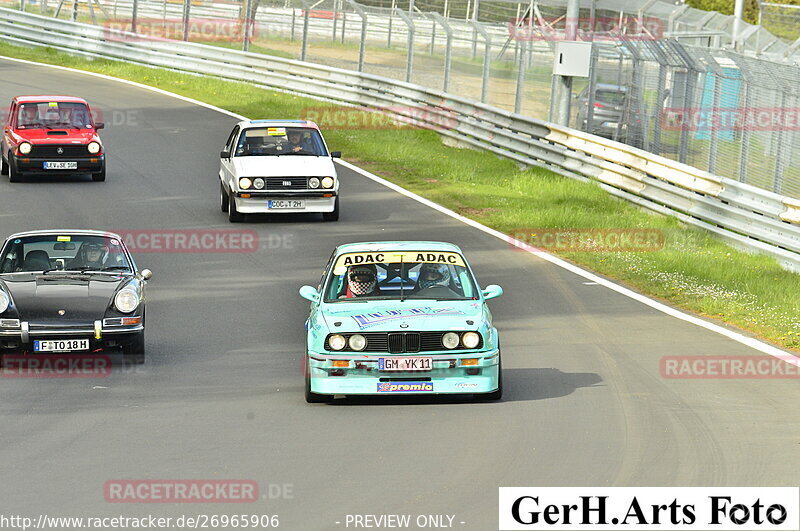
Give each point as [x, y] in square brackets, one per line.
[572, 59]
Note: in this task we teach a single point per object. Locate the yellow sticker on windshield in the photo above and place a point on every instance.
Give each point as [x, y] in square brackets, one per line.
[64, 238]
[395, 257]
[52, 104]
[276, 131]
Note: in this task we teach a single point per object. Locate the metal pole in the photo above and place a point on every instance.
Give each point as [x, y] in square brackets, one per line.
[389, 35]
[74, 10]
[688, 94]
[562, 85]
[433, 36]
[780, 163]
[738, 14]
[744, 141]
[410, 58]
[520, 91]
[361, 45]
[134, 14]
[246, 26]
[713, 146]
[187, 6]
[474, 31]
[659, 118]
[336, 6]
[487, 59]
[344, 24]
[590, 97]
[448, 55]
[293, 17]
[304, 48]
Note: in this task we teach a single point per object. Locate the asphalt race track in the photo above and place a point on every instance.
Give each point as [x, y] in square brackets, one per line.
[221, 394]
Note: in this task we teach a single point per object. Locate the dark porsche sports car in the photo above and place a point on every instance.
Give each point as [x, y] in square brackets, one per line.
[71, 291]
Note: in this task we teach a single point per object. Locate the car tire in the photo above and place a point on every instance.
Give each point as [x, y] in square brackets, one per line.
[332, 216]
[223, 198]
[99, 177]
[313, 398]
[498, 394]
[233, 215]
[3, 166]
[135, 352]
[13, 174]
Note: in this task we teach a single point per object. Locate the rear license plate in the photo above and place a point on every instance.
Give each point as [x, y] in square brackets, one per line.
[405, 364]
[60, 165]
[286, 203]
[60, 345]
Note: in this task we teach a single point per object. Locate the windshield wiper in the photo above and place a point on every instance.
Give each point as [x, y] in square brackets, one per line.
[116, 268]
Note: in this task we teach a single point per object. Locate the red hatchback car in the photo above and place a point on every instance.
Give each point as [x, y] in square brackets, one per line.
[51, 135]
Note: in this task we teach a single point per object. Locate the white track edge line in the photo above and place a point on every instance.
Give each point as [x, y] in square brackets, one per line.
[751, 342]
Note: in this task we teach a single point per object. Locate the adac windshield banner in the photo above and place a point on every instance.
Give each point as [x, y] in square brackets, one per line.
[650, 508]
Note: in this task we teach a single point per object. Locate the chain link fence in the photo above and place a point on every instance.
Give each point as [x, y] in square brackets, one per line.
[664, 78]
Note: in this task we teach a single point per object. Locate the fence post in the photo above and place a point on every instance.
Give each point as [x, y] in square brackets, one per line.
[520, 90]
[246, 26]
[304, 48]
[361, 45]
[744, 142]
[448, 55]
[487, 59]
[410, 58]
[713, 146]
[187, 6]
[780, 163]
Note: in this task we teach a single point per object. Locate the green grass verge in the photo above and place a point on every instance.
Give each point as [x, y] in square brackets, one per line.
[693, 270]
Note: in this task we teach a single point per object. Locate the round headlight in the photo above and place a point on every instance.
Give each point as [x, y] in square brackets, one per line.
[313, 182]
[450, 340]
[4, 302]
[358, 342]
[258, 183]
[126, 300]
[244, 183]
[337, 341]
[470, 339]
[25, 148]
[93, 147]
[327, 182]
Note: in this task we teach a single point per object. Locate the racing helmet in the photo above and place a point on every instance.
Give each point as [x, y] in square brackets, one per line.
[362, 279]
[433, 275]
[93, 247]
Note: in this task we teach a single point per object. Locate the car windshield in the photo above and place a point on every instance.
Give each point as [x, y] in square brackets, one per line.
[54, 115]
[63, 252]
[399, 275]
[274, 141]
[612, 97]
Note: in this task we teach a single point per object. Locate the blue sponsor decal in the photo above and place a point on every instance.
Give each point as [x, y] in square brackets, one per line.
[371, 319]
[405, 387]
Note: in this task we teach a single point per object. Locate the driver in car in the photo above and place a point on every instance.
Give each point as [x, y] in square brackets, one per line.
[28, 116]
[432, 275]
[362, 281]
[297, 143]
[90, 255]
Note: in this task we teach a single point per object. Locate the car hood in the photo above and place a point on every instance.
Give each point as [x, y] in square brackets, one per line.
[73, 136]
[83, 297]
[284, 166]
[419, 315]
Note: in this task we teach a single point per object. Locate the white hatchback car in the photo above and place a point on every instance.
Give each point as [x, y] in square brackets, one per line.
[278, 166]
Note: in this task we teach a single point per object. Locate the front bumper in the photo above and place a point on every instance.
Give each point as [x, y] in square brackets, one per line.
[258, 203]
[15, 340]
[362, 376]
[85, 165]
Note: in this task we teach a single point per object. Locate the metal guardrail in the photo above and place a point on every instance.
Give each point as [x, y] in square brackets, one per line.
[748, 217]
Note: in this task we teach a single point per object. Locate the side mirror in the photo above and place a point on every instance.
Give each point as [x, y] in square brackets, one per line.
[224, 155]
[492, 292]
[307, 292]
[99, 125]
[146, 274]
[336, 154]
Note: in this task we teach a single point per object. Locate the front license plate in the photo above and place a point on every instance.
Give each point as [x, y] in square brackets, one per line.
[286, 203]
[60, 165]
[405, 364]
[60, 345]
